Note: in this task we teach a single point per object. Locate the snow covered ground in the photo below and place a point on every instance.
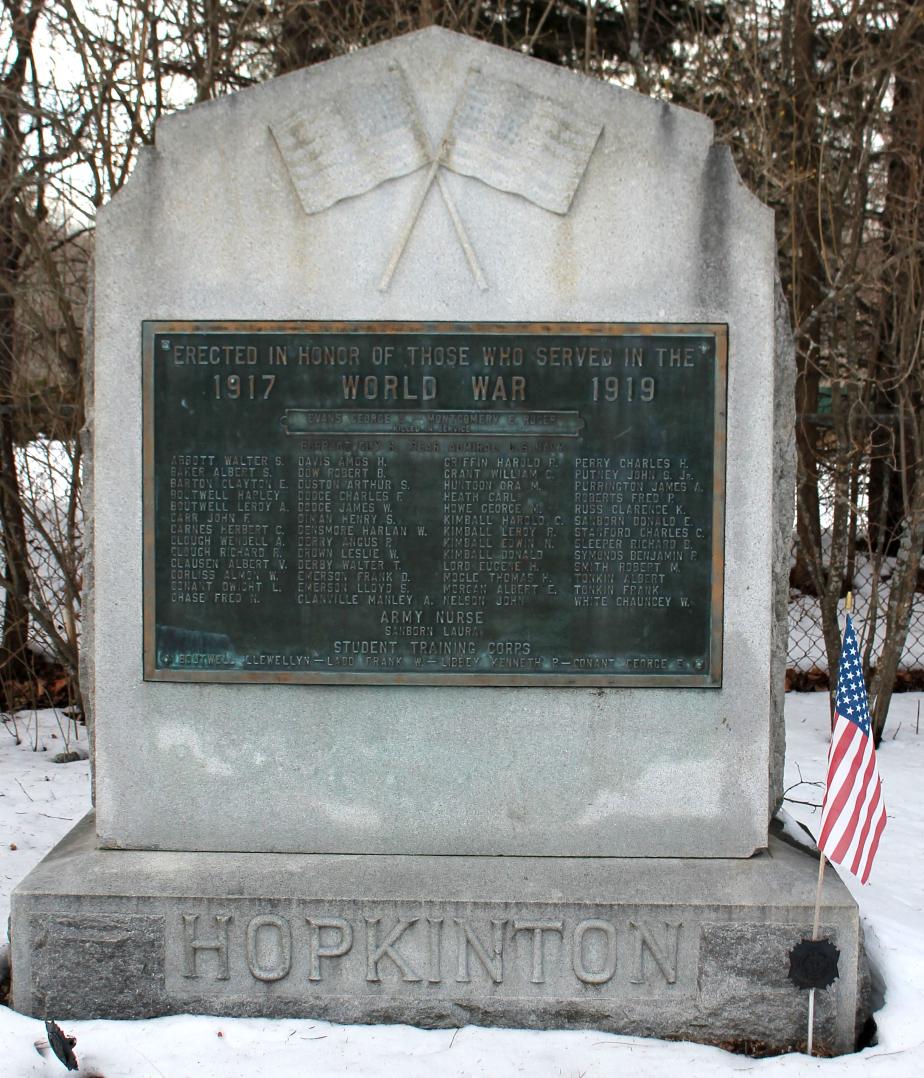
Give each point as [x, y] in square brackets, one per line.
[39, 800]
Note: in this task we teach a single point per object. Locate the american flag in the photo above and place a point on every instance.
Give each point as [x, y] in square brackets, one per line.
[853, 815]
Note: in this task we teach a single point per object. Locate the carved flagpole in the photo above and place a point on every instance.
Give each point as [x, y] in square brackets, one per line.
[409, 226]
[433, 174]
[461, 233]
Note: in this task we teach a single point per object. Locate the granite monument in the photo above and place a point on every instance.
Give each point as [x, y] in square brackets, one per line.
[441, 421]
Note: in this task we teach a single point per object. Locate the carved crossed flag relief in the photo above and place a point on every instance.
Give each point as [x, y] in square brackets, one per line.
[519, 141]
[348, 144]
[500, 133]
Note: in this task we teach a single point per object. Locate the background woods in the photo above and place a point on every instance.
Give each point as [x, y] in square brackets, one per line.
[821, 103]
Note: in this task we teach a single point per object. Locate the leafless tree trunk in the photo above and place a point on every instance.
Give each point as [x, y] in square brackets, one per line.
[805, 288]
[901, 343]
[14, 111]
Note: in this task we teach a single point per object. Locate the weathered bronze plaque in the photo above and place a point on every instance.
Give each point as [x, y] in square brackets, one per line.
[504, 504]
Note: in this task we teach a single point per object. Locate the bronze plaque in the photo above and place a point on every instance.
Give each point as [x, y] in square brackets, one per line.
[434, 503]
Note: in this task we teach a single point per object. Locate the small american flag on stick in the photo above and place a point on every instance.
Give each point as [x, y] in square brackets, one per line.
[853, 814]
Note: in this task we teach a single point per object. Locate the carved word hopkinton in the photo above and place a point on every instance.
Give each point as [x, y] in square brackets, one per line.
[429, 948]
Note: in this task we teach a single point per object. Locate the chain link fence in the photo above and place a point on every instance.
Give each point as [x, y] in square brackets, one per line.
[807, 660]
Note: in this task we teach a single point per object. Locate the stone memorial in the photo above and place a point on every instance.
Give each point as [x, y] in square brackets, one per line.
[441, 491]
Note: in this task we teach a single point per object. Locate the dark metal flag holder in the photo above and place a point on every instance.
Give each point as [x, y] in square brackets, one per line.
[813, 962]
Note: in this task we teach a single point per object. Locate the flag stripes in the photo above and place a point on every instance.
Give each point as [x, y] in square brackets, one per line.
[853, 814]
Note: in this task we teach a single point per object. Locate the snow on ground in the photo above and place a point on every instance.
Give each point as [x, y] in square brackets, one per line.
[40, 799]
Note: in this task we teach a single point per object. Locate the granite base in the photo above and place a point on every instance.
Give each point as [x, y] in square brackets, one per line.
[694, 949]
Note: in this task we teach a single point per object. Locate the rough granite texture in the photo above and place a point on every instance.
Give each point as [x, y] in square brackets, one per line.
[784, 484]
[661, 229]
[695, 949]
[86, 669]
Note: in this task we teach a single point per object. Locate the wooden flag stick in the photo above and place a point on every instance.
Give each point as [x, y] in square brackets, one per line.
[811, 1021]
[811, 1007]
[821, 875]
[822, 860]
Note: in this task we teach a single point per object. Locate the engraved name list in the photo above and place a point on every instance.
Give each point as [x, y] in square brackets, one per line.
[493, 504]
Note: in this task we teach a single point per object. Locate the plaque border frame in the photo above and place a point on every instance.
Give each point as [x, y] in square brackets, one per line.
[709, 679]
